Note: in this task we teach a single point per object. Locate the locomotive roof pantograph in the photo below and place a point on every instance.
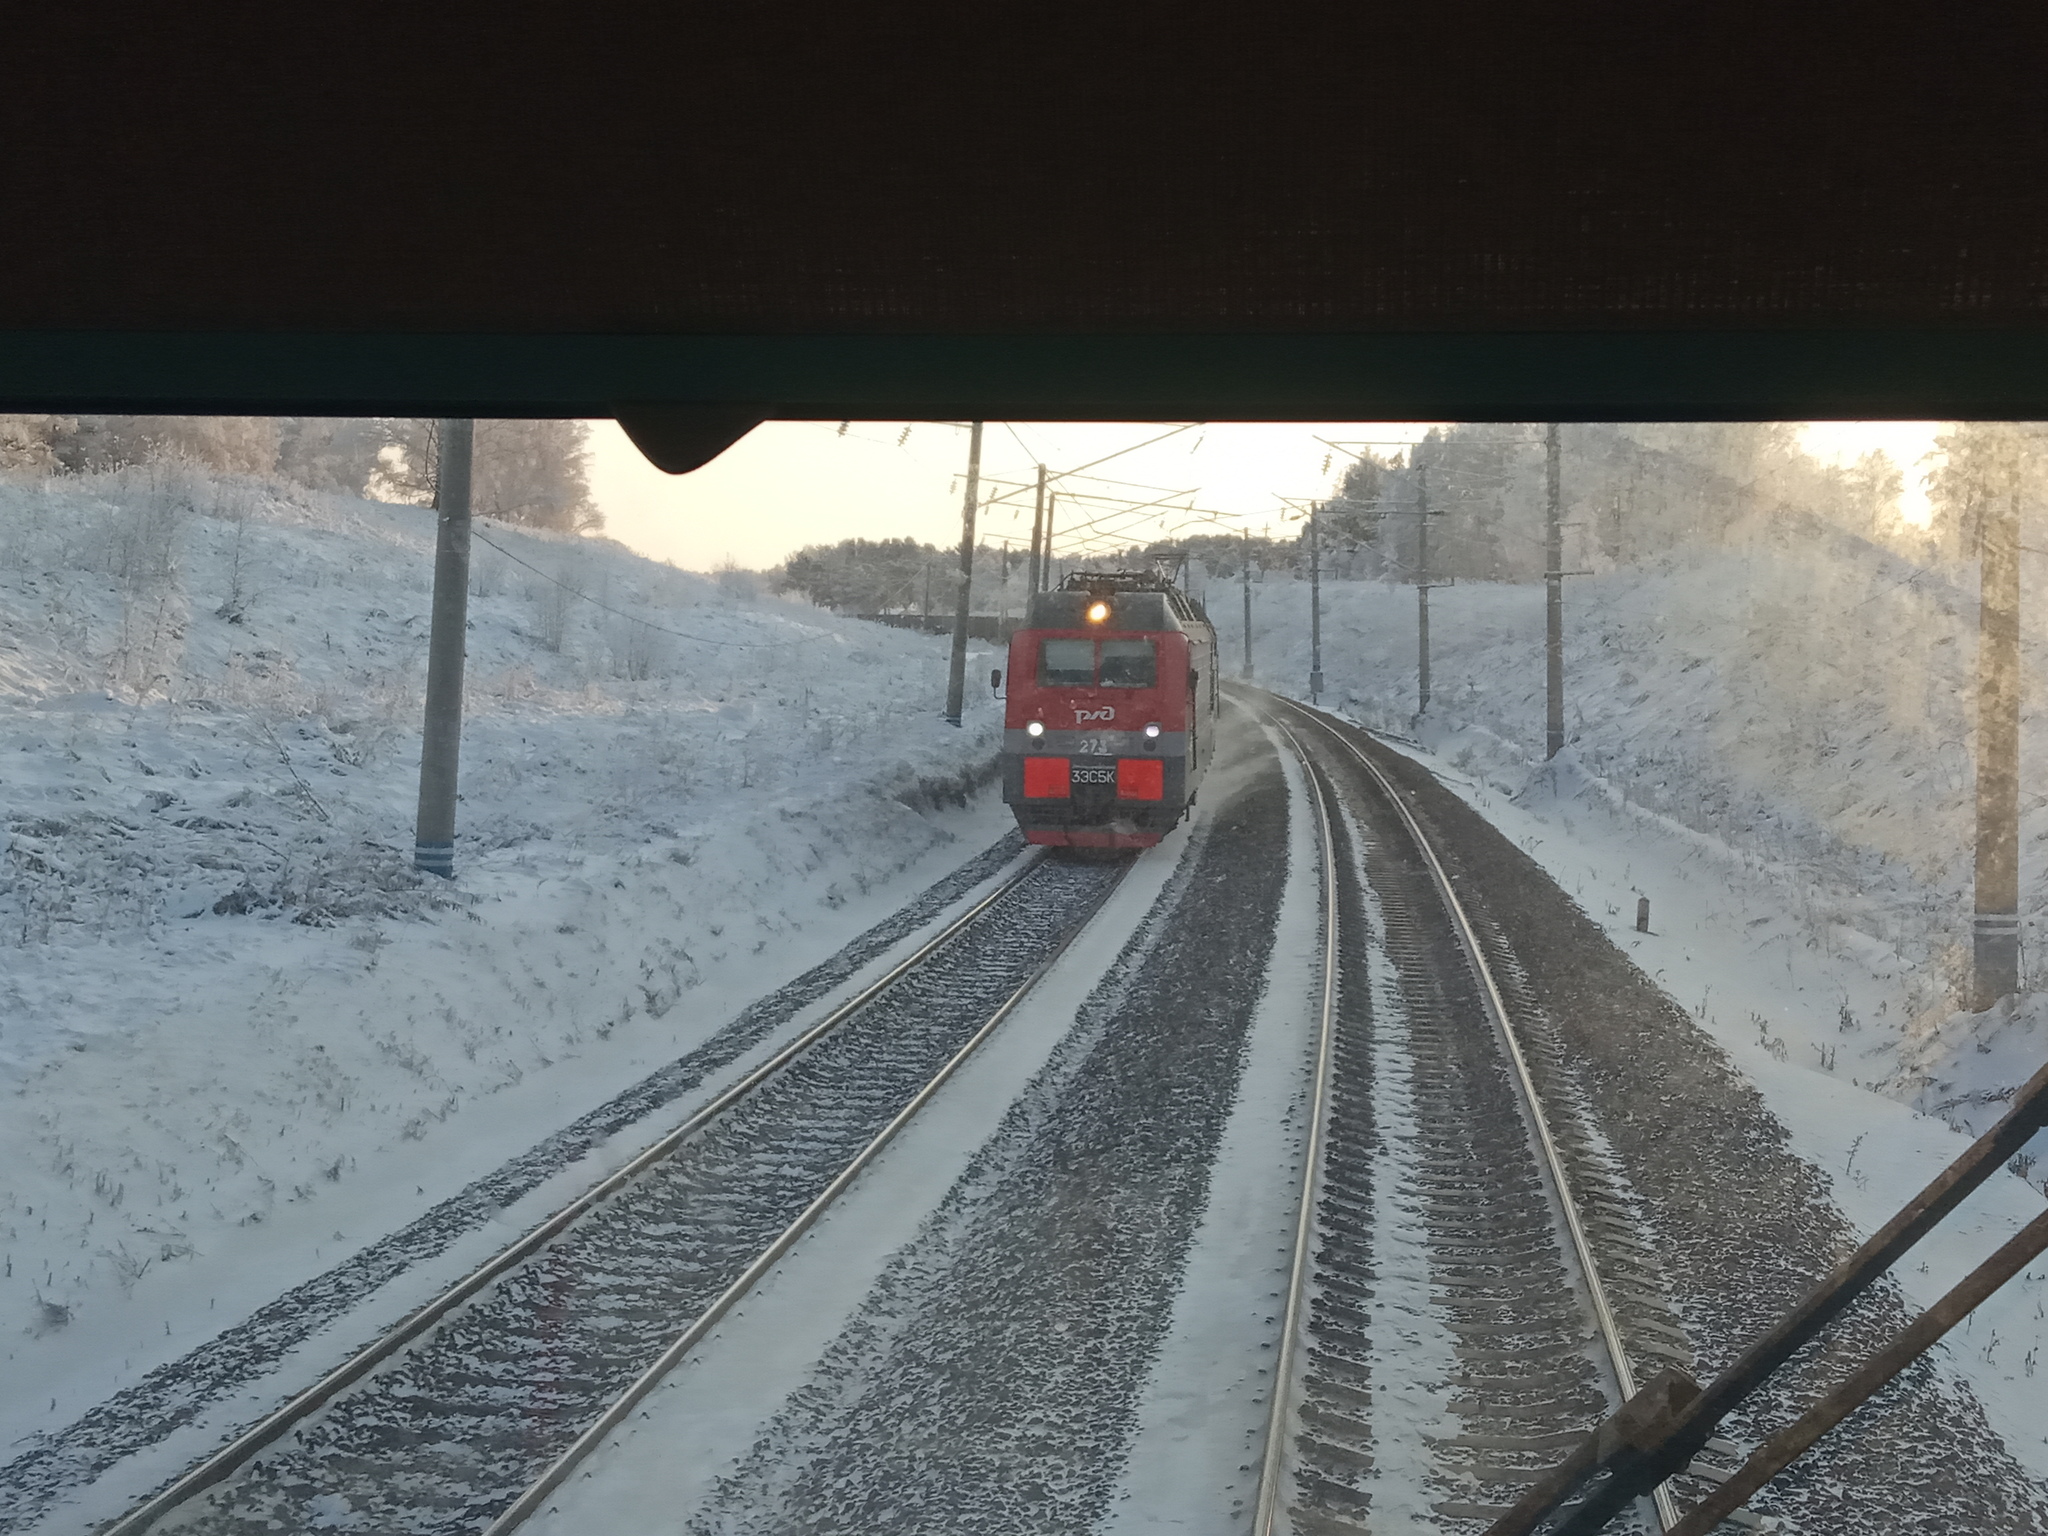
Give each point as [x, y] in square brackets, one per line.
[1137, 600]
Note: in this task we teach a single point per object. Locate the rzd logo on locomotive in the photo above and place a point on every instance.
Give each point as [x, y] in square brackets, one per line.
[1083, 716]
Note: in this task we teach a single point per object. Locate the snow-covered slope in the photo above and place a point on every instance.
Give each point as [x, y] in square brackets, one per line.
[226, 1001]
[1797, 706]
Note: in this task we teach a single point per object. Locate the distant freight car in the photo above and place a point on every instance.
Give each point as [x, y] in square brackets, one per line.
[1111, 715]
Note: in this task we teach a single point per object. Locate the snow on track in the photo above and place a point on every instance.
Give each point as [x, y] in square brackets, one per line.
[1859, 1153]
[1500, 1279]
[1202, 1411]
[1743, 1224]
[247, 1352]
[469, 1416]
[239, 1039]
[704, 1420]
[993, 1379]
[1789, 720]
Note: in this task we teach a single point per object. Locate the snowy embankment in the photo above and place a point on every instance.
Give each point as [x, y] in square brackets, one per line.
[236, 1030]
[1771, 746]
[1792, 719]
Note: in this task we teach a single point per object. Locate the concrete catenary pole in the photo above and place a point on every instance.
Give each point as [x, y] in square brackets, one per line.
[1553, 600]
[1315, 605]
[434, 831]
[1247, 573]
[1422, 591]
[1003, 593]
[1046, 579]
[1996, 936]
[956, 674]
[1037, 582]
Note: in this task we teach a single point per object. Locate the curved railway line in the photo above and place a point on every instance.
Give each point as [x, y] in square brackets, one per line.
[464, 1417]
[1447, 1153]
[1473, 1285]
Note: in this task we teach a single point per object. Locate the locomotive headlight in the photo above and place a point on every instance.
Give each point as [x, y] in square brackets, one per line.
[1035, 728]
[1152, 730]
[1097, 612]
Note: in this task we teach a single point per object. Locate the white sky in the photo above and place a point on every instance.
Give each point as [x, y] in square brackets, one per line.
[791, 483]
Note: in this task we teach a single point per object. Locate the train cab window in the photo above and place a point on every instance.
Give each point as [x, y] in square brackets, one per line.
[1066, 664]
[1130, 664]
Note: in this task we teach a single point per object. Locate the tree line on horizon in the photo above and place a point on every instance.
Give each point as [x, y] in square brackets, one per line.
[1627, 492]
[533, 473]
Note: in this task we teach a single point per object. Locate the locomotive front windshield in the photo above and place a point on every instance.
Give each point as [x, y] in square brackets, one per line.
[1067, 664]
[1074, 664]
[1130, 664]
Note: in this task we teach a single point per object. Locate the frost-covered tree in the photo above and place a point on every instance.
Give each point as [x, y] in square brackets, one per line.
[871, 575]
[407, 458]
[230, 445]
[1642, 488]
[1483, 483]
[1352, 516]
[1980, 460]
[1866, 499]
[329, 453]
[30, 443]
[535, 473]
[1627, 492]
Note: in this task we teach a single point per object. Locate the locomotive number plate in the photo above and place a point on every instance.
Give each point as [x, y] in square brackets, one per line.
[1094, 775]
[1092, 746]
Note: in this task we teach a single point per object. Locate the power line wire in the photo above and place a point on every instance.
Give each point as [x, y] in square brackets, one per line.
[1076, 470]
[736, 645]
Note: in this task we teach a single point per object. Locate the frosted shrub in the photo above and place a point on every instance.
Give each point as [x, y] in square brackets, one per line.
[26, 536]
[488, 571]
[140, 533]
[638, 651]
[150, 643]
[552, 601]
[386, 715]
[738, 581]
[231, 504]
[323, 884]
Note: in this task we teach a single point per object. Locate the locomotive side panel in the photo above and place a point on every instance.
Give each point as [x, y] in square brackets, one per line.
[1205, 702]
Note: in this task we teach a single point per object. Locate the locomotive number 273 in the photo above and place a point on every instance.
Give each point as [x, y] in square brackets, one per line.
[1093, 746]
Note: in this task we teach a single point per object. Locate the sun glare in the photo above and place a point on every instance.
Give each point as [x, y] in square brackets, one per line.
[1908, 444]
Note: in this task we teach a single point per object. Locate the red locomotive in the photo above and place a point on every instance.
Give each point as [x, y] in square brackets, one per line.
[1111, 711]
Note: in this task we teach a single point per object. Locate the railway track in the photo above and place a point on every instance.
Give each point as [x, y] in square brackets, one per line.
[467, 1415]
[1471, 1287]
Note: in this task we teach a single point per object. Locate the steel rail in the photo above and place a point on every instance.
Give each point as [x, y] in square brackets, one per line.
[529, 1502]
[224, 1462]
[1525, 1084]
[1266, 1512]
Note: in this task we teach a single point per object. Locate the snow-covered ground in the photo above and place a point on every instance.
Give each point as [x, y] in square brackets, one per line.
[1202, 1419]
[1718, 940]
[239, 1037]
[699, 1425]
[1794, 711]
[1770, 744]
